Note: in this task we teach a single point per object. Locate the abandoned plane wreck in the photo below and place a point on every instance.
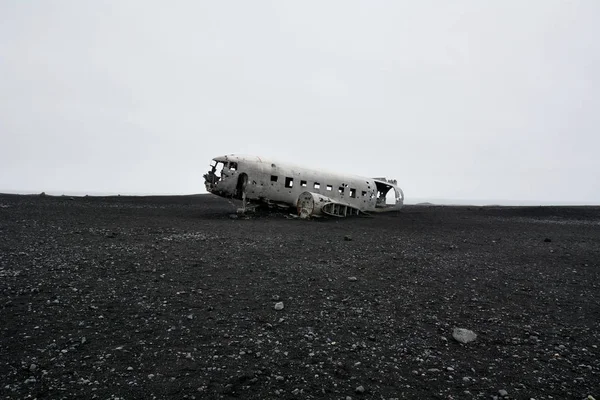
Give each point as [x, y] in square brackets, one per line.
[312, 192]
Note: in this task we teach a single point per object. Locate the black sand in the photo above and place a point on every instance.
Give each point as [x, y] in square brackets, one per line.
[167, 297]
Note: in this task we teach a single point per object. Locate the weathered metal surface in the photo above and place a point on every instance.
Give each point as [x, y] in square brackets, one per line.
[311, 204]
[255, 179]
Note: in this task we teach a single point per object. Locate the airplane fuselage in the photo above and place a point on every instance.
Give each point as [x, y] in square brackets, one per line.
[254, 178]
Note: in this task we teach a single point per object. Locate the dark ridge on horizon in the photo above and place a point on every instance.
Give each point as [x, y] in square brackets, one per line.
[203, 195]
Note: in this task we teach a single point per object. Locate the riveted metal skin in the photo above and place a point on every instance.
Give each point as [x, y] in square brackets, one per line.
[312, 192]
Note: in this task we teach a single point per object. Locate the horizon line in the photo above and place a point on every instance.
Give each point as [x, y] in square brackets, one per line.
[408, 201]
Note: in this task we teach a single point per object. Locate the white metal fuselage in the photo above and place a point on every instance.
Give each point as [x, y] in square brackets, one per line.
[253, 178]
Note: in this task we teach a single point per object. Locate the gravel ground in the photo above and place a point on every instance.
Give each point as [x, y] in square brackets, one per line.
[169, 297]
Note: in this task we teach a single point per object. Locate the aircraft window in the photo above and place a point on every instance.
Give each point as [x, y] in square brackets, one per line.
[289, 182]
[217, 168]
[233, 166]
[353, 193]
[303, 183]
[341, 190]
[329, 188]
[317, 185]
[273, 178]
[364, 194]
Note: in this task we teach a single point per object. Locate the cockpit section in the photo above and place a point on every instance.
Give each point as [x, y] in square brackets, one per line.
[214, 175]
[217, 179]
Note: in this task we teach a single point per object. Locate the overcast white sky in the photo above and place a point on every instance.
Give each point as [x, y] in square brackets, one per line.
[454, 99]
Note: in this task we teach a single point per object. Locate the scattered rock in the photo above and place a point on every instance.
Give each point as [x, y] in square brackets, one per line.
[390, 333]
[463, 335]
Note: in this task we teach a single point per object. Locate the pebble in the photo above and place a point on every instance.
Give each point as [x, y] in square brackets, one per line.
[360, 389]
[352, 278]
[502, 392]
[279, 306]
[463, 335]
[32, 367]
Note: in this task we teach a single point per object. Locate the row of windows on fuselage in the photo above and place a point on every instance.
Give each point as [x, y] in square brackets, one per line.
[289, 183]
